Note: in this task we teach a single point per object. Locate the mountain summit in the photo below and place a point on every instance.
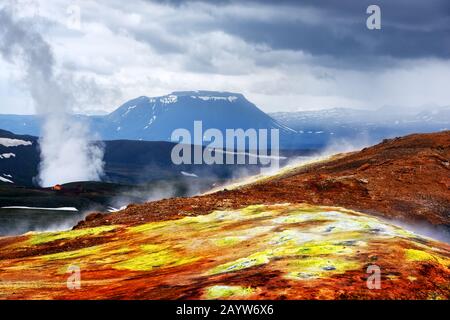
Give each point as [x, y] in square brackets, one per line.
[155, 118]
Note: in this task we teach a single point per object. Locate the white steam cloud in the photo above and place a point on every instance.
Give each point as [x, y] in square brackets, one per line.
[67, 151]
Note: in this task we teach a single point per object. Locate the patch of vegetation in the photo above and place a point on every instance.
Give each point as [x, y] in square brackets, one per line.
[154, 256]
[318, 267]
[254, 209]
[149, 226]
[420, 255]
[256, 259]
[73, 254]
[67, 235]
[311, 249]
[220, 292]
[227, 241]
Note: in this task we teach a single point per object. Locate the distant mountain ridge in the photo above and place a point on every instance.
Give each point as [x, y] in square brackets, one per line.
[372, 125]
[155, 118]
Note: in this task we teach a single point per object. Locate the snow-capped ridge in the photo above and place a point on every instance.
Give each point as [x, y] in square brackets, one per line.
[7, 142]
[156, 118]
[7, 155]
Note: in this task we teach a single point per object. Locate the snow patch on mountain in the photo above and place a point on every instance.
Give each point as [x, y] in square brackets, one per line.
[169, 99]
[153, 118]
[7, 155]
[214, 98]
[7, 142]
[5, 180]
[42, 208]
[128, 110]
[187, 174]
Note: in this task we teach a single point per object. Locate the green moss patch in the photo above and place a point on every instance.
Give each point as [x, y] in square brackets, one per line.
[318, 267]
[73, 254]
[221, 292]
[420, 255]
[227, 241]
[154, 256]
[256, 259]
[67, 235]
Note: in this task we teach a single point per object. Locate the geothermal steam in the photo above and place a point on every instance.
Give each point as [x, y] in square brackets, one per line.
[67, 151]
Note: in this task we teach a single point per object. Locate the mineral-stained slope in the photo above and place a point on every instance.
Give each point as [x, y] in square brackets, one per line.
[405, 178]
[278, 251]
[286, 236]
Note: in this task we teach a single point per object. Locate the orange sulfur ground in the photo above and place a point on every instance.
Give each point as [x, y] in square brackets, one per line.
[278, 251]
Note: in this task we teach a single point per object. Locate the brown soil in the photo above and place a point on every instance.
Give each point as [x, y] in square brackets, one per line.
[404, 178]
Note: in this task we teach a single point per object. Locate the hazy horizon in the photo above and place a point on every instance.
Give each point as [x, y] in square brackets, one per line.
[272, 110]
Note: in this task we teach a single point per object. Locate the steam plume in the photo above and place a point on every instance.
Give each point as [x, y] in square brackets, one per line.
[67, 154]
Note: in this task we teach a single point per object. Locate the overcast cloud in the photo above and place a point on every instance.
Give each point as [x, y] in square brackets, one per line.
[283, 55]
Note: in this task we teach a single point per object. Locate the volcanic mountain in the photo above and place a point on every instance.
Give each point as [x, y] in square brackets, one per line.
[312, 231]
[156, 118]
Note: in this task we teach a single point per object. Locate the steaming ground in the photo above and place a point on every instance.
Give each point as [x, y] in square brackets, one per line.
[22, 220]
[334, 148]
[67, 151]
[67, 154]
[278, 251]
[440, 233]
[17, 218]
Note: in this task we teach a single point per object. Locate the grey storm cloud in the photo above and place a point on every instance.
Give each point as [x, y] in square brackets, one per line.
[410, 28]
[67, 154]
[281, 54]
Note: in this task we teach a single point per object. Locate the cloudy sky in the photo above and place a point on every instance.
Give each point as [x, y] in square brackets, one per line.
[282, 55]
